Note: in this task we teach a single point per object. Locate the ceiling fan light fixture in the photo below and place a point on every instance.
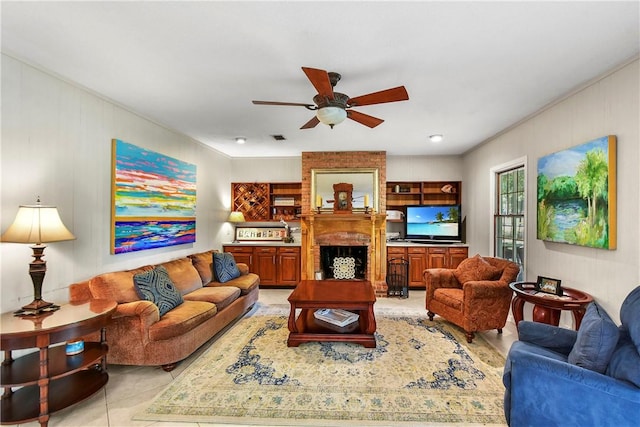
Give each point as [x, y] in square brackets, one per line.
[436, 137]
[241, 140]
[331, 115]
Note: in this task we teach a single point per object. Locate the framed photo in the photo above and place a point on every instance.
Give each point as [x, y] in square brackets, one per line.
[549, 286]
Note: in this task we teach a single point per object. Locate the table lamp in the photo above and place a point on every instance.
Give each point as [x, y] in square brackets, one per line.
[234, 218]
[37, 224]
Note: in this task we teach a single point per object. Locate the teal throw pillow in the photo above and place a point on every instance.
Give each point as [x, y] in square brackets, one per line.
[156, 286]
[597, 339]
[224, 267]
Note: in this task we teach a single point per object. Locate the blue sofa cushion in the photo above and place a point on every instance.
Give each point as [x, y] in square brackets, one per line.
[630, 316]
[156, 286]
[560, 340]
[596, 340]
[225, 267]
[625, 361]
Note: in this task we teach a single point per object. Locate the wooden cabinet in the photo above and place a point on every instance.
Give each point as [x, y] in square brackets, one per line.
[417, 264]
[456, 256]
[423, 257]
[264, 201]
[401, 194]
[446, 257]
[286, 200]
[396, 252]
[437, 257]
[276, 265]
[417, 257]
[252, 199]
[264, 264]
[243, 254]
[288, 266]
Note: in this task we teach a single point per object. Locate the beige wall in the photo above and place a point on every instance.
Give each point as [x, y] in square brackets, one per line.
[56, 143]
[607, 107]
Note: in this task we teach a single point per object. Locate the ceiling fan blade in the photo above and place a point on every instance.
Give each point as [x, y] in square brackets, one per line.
[311, 123]
[390, 95]
[320, 80]
[364, 119]
[283, 103]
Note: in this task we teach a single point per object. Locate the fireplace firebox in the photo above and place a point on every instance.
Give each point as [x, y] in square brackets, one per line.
[344, 262]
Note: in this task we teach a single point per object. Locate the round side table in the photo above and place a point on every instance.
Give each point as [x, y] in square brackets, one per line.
[547, 307]
[40, 383]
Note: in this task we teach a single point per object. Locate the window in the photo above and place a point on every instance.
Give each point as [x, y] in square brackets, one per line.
[509, 219]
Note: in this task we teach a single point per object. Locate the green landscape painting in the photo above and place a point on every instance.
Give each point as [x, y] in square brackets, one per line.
[576, 200]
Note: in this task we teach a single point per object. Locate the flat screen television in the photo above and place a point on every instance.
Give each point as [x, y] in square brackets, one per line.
[433, 223]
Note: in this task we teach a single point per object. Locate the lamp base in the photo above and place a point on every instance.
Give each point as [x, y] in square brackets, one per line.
[35, 307]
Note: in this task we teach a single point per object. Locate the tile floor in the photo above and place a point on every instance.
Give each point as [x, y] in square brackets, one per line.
[130, 388]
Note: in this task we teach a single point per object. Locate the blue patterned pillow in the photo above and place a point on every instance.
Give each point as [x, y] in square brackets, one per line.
[224, 267]
[156, 286]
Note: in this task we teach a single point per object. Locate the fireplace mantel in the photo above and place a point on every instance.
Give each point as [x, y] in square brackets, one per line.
[357, 228]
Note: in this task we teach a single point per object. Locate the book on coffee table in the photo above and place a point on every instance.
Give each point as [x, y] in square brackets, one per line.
[336, 316]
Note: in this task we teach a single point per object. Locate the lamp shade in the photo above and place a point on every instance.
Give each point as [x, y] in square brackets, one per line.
[236, 216]
[331, 115]
[37, 224]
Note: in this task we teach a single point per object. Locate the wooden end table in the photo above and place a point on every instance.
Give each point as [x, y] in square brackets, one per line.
[547, 307]
[48, 380]
[352, 295]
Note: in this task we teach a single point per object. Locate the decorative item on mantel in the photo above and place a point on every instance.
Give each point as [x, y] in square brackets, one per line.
[342, 195]
[37, 224]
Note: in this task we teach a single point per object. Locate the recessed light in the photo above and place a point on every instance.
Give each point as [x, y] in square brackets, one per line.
[436, 137]
[241, 140]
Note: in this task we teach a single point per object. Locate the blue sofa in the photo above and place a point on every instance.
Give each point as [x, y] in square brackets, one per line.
[559, 377]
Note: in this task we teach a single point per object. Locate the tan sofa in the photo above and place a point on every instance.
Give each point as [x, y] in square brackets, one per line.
[137, 335]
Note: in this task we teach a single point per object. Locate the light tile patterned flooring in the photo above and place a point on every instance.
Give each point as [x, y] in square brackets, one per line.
[130, 388]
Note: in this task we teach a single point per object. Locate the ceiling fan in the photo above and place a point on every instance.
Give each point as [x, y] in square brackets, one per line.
[333, 108]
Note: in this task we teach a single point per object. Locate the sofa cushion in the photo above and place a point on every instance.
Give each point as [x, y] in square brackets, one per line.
[625, 361]
[630, 316]
[246, 282]
[183, 274]
[203, 262]
[552, 337]
[451, 297]
[224, 267]
[156, 286]
[221, 296]
[182, 319]
[596, 340]
[474, 269]
[117, 286]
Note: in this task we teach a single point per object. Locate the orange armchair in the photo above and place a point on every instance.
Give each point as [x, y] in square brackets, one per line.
[475, 296]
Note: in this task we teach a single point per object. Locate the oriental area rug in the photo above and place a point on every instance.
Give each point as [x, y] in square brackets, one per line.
[421, 372]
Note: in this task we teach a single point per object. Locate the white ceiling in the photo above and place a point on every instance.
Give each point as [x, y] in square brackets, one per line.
[471, 69]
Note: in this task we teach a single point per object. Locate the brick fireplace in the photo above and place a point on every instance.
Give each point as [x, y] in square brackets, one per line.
[346, 230]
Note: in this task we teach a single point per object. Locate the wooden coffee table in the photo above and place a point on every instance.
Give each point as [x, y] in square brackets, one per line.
[351, 295]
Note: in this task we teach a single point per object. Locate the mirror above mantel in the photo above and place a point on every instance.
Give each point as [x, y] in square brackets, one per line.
[365, 183]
